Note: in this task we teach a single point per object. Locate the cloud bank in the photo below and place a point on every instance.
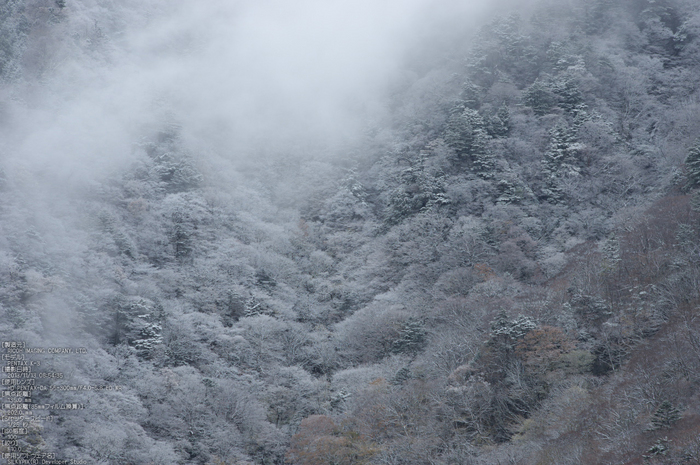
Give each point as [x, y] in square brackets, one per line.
[238, 77]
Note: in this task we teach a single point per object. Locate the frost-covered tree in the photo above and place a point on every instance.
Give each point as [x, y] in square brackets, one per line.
[411, 338]
[14, 28]
[171, 166]
[499, 124]
[419, 190]
[560, 161]
[665, 415]
[541, 97]
[692, 166]
[466, 132]
[510, 330]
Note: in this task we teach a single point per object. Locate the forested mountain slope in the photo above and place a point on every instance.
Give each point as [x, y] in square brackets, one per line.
[499, 263]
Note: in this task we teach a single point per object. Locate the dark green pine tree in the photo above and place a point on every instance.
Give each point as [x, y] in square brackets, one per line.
[665, 415]
[470, 96]
[570, 98]
[401, 376]
[466, 133]
[499, 124]
[660, 447]
[559, 161]
[411, 338]
[563, 148]
[484, 163]
[540, 96]
[504, 115]
[509, 192]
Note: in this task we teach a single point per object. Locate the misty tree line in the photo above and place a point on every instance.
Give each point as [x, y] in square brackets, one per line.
[506, 270]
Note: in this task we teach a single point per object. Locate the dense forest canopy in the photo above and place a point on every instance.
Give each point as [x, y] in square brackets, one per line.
[355, 232]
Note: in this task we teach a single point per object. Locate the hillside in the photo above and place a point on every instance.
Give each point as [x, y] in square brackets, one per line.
[478, 246]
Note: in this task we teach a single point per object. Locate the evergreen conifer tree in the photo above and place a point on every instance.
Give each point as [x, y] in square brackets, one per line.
[466, 132]
[540, 97]
[570, 97]
[665, 415]
[411, 338]
[559, 161]
[499, 124]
